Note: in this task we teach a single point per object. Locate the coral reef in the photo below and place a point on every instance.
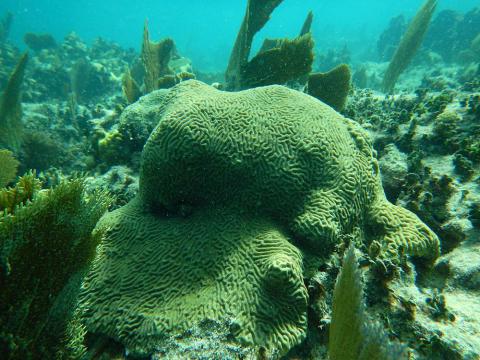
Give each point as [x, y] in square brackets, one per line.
[221, 191]
[41, 150]
[124, 141]
[452, 33]
[89, 80]
[210, 339]
[427, 147]
[93, 73]
[409, 44]
[44, 246]
[119, 181]
[235, 211]
[330, 58]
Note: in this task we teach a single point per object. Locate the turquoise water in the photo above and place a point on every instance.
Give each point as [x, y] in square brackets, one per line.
[163, 196]
[204, 30]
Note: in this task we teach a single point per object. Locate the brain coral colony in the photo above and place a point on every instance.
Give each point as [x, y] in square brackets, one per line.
[291, 206]
[237, 192]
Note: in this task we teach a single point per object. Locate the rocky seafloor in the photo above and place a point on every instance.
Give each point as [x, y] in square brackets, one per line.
[427, 141]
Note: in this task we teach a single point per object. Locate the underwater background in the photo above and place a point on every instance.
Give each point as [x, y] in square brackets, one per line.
[205, 32]
[248, 179]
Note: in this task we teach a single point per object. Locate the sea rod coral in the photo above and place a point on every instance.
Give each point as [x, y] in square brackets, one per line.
[236, 191]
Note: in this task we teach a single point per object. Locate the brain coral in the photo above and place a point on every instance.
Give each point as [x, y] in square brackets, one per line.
[235, 190]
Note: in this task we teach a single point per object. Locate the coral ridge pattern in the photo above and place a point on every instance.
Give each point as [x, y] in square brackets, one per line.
[235, 190]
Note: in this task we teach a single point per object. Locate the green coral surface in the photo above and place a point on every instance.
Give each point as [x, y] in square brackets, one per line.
[236, 189]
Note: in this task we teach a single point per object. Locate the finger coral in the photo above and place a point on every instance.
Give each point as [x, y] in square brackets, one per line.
[236, 189]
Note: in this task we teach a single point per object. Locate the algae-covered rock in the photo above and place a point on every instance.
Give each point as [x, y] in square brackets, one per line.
[394, 169]
[236, 189]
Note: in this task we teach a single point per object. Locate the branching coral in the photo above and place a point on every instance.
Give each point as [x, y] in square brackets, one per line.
[409, 44]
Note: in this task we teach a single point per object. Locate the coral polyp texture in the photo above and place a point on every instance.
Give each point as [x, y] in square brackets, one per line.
[236, 190]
